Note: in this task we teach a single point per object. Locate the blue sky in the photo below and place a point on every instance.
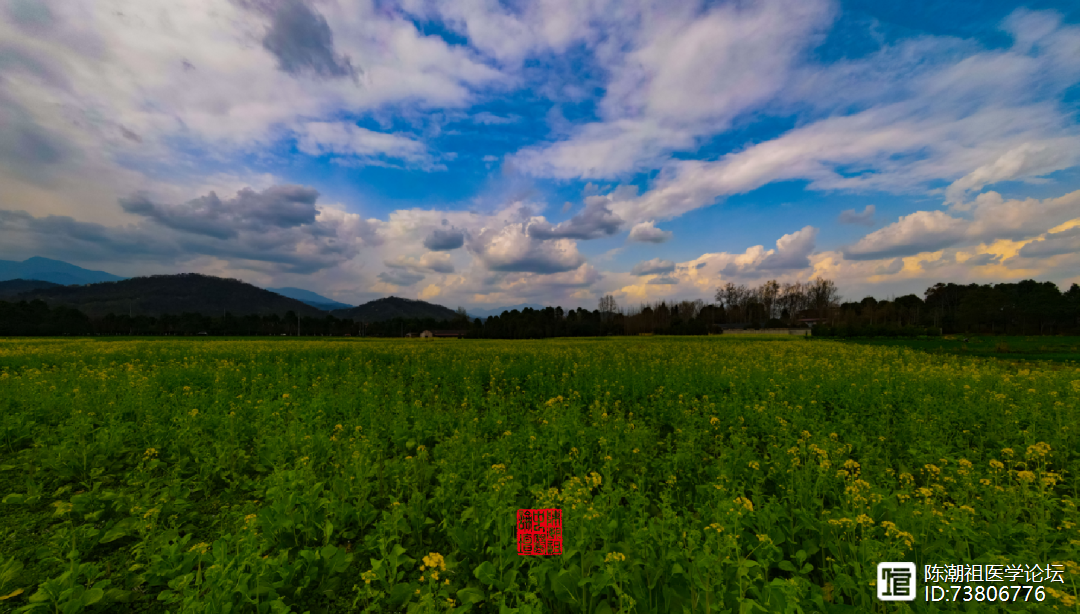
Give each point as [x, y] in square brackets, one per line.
[483, 153]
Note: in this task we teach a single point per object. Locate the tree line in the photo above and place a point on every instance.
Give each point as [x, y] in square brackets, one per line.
[1027, 307]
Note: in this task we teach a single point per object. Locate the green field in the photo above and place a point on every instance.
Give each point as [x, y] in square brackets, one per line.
[1008, 348]
[705, 474]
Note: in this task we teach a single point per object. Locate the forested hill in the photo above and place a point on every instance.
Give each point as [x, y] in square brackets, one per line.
[170, 294]
[395, 307]
[13, 287]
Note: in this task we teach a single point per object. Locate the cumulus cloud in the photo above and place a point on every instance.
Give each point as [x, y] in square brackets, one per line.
[1053, 244]
[284, 206]
[922, 231]
[434, 262]
[663, 280]
[655, 266]
[893, 267]
[400, 278]
[280, 226]
[792, 251]
[594, 222]
[301, 41]
[988, 218]
[983, 260]
[512, 249]
[444, 239]
[647, 232]
[866, 218]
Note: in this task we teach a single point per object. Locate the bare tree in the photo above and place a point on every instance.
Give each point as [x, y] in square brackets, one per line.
[608, 307]
[767, 295]
[823, 296]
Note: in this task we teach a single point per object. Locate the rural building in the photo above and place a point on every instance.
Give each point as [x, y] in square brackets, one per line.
[459, 334]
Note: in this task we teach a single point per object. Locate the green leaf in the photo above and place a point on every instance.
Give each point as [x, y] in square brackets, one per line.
[485, 573]
[92, 596]
[470, 596]
[118, 530]
[787, 566]
[14, 499]
[603, 608]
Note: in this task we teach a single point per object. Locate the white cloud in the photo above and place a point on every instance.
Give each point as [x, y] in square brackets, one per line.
[922, 231]
[349, 140]
[647, 232]
[1026, 160]
[511, 249]
[687, 75]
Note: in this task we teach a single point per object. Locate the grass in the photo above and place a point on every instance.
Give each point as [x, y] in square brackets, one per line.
[705, 474]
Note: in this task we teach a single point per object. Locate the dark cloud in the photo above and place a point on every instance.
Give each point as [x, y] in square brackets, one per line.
[895, 266]
[188, 66]
[129, 135]
[252, 230]
[444, 240]
[441, 267]
[945, 260]
[866, 218]
[594, 222]
[663, 280]
[32, 151]
[655, 266]
[400, 277]
[983, 260]
[284, 206]
[301, 40]
[1054, 244]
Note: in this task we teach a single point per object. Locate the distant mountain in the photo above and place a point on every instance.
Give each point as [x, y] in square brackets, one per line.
[171, 294]
[315, 300]
[395, 307]
[56, 271]
[12, 287]
[498, 311]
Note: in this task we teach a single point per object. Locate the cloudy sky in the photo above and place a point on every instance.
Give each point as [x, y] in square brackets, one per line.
[484, 153]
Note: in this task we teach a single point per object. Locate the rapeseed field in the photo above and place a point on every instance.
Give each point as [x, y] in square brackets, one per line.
[359, 475]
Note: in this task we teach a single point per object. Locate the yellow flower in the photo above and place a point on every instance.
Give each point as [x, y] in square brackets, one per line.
[613, 557]
[434, 560]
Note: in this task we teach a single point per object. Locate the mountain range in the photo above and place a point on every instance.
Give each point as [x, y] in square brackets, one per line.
[170, 294]
[498, 311]
[97, 293]
[395, 307]
[307, 296]
[56, 271]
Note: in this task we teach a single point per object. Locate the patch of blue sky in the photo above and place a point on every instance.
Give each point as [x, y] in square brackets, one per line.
[862, 22]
